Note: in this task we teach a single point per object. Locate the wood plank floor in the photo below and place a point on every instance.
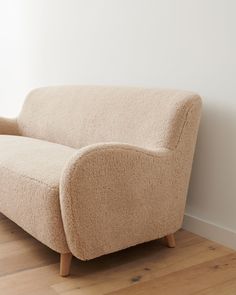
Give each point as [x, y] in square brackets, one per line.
[196, 266]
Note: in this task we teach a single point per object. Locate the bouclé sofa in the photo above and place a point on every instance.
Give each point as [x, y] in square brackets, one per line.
[89, 170]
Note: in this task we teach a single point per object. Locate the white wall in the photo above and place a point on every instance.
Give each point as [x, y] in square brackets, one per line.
[189, 44]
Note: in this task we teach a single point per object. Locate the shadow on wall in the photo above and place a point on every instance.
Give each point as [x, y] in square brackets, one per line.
[212, 191]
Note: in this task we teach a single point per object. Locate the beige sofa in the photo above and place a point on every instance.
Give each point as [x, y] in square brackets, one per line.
[92, 170]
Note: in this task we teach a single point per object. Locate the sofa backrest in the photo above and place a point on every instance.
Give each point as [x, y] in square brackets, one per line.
[77, 116]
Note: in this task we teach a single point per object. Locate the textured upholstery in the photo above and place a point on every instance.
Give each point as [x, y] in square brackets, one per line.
[115, 174]
[114, 195]
[8, 126]
[148, 118]
[30, 172]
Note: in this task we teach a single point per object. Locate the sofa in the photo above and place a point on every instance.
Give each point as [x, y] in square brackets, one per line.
[90, 170]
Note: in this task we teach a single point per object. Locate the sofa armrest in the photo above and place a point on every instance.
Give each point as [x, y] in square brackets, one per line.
[115, 195]
[8, 126]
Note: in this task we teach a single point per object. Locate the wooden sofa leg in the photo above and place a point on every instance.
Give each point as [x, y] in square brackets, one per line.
[65, 263]
[170, 240]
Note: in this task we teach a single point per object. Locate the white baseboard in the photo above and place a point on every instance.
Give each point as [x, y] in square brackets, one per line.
[209, 230]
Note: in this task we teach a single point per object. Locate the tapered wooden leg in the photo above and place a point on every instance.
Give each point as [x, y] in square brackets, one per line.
[65, 262]
[170, 241]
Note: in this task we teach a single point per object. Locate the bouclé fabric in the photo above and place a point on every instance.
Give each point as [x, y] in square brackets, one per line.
[92, 170]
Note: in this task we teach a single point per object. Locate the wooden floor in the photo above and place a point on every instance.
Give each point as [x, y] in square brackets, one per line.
[196, 266]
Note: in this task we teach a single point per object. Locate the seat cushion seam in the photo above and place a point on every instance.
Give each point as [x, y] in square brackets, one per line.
[31, 178]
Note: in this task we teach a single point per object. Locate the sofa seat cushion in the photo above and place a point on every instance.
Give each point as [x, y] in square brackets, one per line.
[30, 171]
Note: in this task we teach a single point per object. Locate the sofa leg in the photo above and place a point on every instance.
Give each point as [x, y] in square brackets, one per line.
[65, 262]
[170, 240]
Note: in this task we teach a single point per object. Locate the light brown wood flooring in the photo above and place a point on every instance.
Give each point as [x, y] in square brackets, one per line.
[196, 266]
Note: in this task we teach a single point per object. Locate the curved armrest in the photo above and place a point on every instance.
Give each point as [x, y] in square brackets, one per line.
[115, 194]
[8, 126]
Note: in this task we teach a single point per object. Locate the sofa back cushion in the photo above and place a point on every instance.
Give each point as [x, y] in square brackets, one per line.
[77, 116]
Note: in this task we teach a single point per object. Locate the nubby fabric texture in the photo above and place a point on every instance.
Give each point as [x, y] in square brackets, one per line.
[92, 170]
